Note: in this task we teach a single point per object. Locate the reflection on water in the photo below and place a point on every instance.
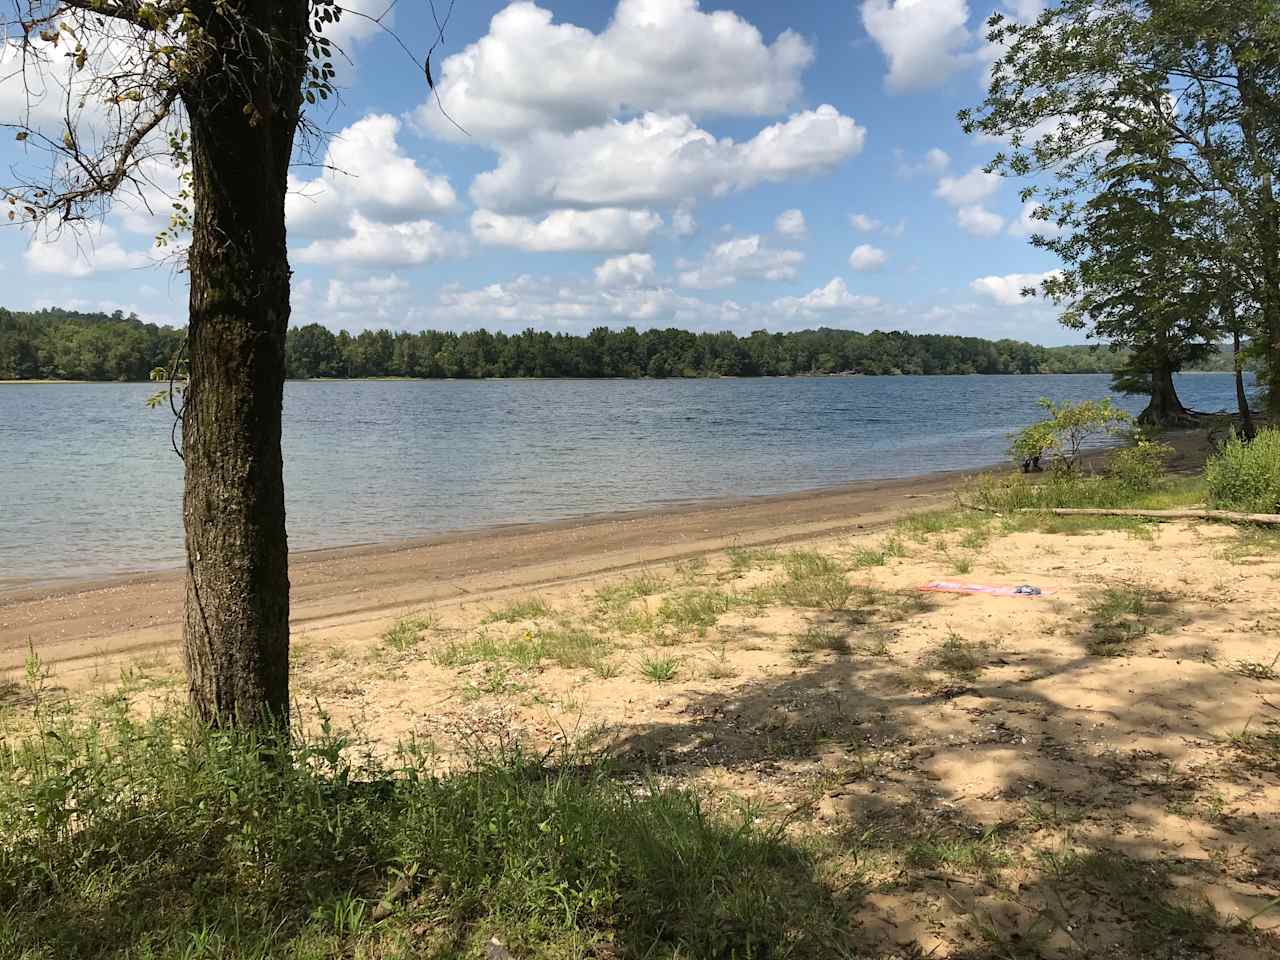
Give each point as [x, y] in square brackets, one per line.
[90, 486]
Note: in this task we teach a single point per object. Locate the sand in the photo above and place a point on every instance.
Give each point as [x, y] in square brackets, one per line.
[982, 771]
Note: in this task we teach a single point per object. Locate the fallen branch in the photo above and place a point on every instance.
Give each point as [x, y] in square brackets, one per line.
[1228, 516]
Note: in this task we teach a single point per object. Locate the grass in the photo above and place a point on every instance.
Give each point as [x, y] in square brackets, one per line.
[1256, 670]
[526, 650]
[617, 595]
[573, 647]
[696, 609]
[186, 843]
[957, 657]
[659, 669]
[407, 632]
[744, 559]
[518, 611]
[811, 580]
[1120, 616]
[818, 638]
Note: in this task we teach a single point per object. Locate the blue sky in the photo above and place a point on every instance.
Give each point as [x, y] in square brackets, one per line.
[647, 162]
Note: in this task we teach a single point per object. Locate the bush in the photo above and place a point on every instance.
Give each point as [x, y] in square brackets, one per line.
[1070, 427]
[1246, 476]
[1140, 468]
[158, 839]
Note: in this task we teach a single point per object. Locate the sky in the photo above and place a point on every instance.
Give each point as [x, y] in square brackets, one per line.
[649, 163]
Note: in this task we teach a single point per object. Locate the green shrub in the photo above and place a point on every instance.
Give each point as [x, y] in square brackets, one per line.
[1069, 428]
[1246, 476]
[1141, 467]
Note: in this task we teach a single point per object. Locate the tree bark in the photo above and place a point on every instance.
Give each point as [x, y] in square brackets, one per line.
[1164, 408]
[243, 117]
[1247, 429]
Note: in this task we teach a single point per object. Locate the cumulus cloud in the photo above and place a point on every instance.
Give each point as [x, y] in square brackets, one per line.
[934, 162]
[863, 223]
[366, 172]
[867, 257]
[1028, 224]
[683, 221]
[742, 258]
[979, 221]
[73, 254]
[1007, 290]
[834, 296]
[924, 41]
[629, 270]
[970, 188]
[660, 159]
[604, 229]
[373, 244]
[529, 73]
[791, 223]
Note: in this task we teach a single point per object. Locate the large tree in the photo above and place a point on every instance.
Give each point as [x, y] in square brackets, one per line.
[1202, 76]
[116, 89]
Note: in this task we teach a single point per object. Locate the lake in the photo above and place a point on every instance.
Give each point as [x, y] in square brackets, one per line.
[90, 486]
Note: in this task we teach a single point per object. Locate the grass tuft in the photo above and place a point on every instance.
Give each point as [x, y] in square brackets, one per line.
[407, 632]
[659, 669]
[517, 611]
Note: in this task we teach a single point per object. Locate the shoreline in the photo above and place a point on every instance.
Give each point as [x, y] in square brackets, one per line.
[78, 624]
[73, 624]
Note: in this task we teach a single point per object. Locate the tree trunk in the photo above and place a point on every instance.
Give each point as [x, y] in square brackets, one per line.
[1247, 429]
[236, 633]
[1164, 409]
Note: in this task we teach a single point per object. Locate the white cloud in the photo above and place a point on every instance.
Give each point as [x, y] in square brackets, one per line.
[529, 73]
[979, 221]
[970, 188]
[863, 223]
[374, 244]
[660, 159]
[790, 223]
[834, 296]
[365, 172]
[629, 270]
[897, 230]
[867, 257]
[934, 162]
[74, 254]
[604, 229]
[371, 294]
[741, 258]
[683, 221]
[1027, 223]
[925, 41]
[1007, 290]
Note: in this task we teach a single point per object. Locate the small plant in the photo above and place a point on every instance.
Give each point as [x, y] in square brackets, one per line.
[719, 668]
[572, 647]
[1139, 468]
[742, 559]
[695, 608]
[1246, 476]
[812, 580]
[866, 557]
[1118, 616]
[1067, 430]
[528, 608]
[1257, 671]
[618, 595]
[659, 669]
[957, 657]
[407, 632]
[605, 669]
[822, 638]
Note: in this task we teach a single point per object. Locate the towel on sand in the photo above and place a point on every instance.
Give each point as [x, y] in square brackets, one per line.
[955, 586]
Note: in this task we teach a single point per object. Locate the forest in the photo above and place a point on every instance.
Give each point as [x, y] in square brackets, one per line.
[58, 344]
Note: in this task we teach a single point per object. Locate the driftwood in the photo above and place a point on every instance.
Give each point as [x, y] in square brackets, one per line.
[1229, 516]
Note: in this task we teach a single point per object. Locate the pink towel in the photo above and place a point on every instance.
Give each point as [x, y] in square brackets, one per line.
[955, 586]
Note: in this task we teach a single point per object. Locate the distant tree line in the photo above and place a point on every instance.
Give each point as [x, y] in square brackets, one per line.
[65, 345]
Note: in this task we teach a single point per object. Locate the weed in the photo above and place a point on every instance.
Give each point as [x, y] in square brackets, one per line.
[407, 632]
[659, 669]
[616, 595]
[605, 669]
[695, 608]
[821, 638]
[572, 647]
[957, 657]
[719, 668]
[812, 580]
[866, 557]
[525, 650]
[743, 559]
[1257, 671]
[1119, 616]
[527, 608]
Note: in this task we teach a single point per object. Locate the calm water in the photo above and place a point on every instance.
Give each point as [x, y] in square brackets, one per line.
[89, 485]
